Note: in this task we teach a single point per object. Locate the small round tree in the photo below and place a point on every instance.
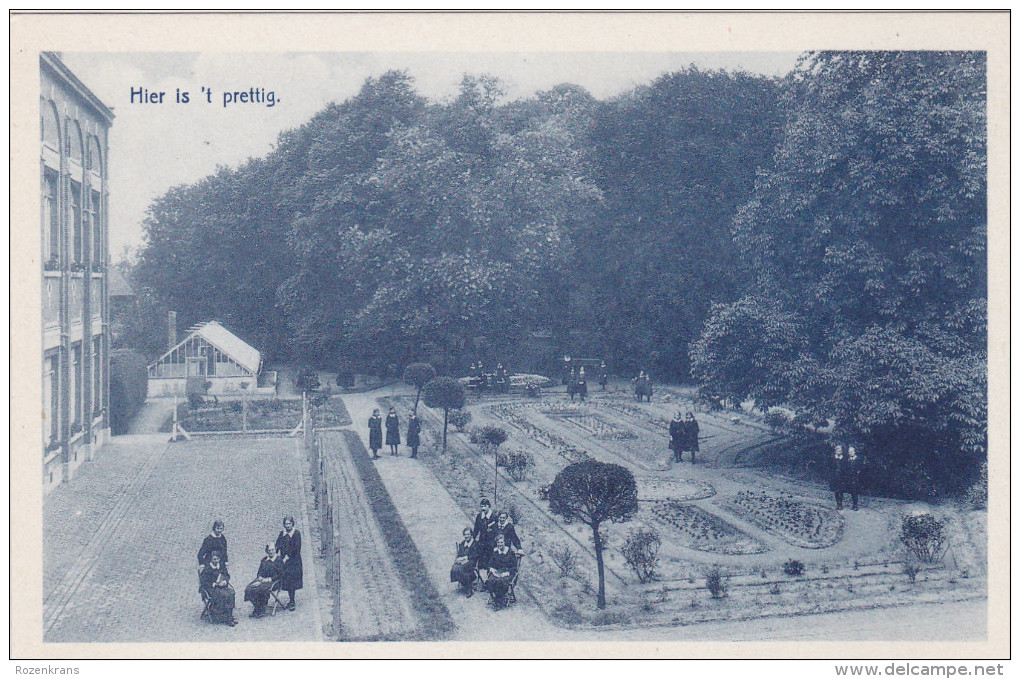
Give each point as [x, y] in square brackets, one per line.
[446, 393]
[418, 375]
[594, 492]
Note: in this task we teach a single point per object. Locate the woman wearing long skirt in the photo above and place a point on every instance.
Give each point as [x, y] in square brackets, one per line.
[288, 544]
[393, 431]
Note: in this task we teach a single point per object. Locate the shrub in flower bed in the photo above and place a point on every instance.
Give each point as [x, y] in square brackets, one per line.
[924, 536]
[793, 567]
[795, 522]
[697, 529]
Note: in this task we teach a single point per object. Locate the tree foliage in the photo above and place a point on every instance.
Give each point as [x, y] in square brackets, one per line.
[446, 393]
[418, 375]
[866, 241]
[389, 229]
[594, 493]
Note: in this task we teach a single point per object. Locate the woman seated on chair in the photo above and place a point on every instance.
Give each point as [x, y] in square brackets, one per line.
[257, 591]
[215, 582]
[502, 568]
[463, 570]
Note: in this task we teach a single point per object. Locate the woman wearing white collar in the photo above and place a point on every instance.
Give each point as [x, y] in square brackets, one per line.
[288, 544]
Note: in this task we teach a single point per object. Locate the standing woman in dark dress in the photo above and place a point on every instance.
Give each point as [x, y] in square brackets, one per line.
[505, 527]
[214, 542]
[288, 544]
[375, 433]
[677, 437]
[392, 431]
[414, 433]
[603, 375]
[485, 532]
[692, 432]
[582, 384]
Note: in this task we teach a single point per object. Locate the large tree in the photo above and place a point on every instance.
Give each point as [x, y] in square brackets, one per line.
[866, 240]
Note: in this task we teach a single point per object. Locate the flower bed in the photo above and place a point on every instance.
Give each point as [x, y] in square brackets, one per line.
[693, 527]
[582, 417]
[687, 490]
[262, 415]
[512, 414]
[798, 523]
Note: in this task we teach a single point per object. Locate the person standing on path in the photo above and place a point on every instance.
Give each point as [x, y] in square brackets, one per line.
[691, 432]
[288, 544]
[853, 476]
[215, 541]
[393, 431]
[375, 433]
[677, 437]
[414, 433]
[485, 533]
[603, 375]
[582, 384]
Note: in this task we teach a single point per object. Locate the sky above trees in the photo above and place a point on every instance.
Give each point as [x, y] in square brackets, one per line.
[156, 147]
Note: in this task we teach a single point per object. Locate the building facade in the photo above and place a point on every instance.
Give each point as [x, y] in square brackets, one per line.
[73, 159]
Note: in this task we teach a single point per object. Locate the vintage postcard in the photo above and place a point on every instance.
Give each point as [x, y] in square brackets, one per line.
[510, 335]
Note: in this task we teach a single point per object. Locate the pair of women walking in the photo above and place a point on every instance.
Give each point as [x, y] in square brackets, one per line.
[392, 424]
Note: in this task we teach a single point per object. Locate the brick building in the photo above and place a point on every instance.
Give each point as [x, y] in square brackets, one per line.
[73, 174]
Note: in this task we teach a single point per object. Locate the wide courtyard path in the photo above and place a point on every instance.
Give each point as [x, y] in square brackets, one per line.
[120, 540]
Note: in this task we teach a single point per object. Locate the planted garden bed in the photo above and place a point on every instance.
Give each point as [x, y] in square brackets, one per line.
[798, 523]
[262, 415]
[693, 527]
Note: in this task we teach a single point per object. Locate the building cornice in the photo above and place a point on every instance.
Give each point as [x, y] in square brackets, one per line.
[53, 62]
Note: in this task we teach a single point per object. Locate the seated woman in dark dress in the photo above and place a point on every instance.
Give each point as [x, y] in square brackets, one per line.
[463, 570]
[502, 567]
[215, 582]
[257, 591]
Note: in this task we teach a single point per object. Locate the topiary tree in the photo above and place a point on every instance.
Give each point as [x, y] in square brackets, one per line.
[446, 393]
[594, 492]
[418, 375]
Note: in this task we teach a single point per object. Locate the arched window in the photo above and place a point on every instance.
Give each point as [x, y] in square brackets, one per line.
[50, 126]
[95, 156]
[75, 199]
[75, 149]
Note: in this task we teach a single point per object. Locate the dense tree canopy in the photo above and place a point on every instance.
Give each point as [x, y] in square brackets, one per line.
[816, 242]
[390, 229]
[866, 241]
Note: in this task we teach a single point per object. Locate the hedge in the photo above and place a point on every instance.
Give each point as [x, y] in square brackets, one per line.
[129, 384]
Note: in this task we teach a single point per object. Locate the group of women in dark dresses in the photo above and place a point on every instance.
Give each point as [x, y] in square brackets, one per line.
[281, 568]
[392, 424]
[489, 551]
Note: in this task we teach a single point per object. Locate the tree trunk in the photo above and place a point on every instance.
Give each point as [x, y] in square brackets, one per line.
[446, 418]
[416, 397]
[602, 569]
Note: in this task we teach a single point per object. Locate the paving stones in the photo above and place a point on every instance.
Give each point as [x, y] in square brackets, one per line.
[128, 573]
